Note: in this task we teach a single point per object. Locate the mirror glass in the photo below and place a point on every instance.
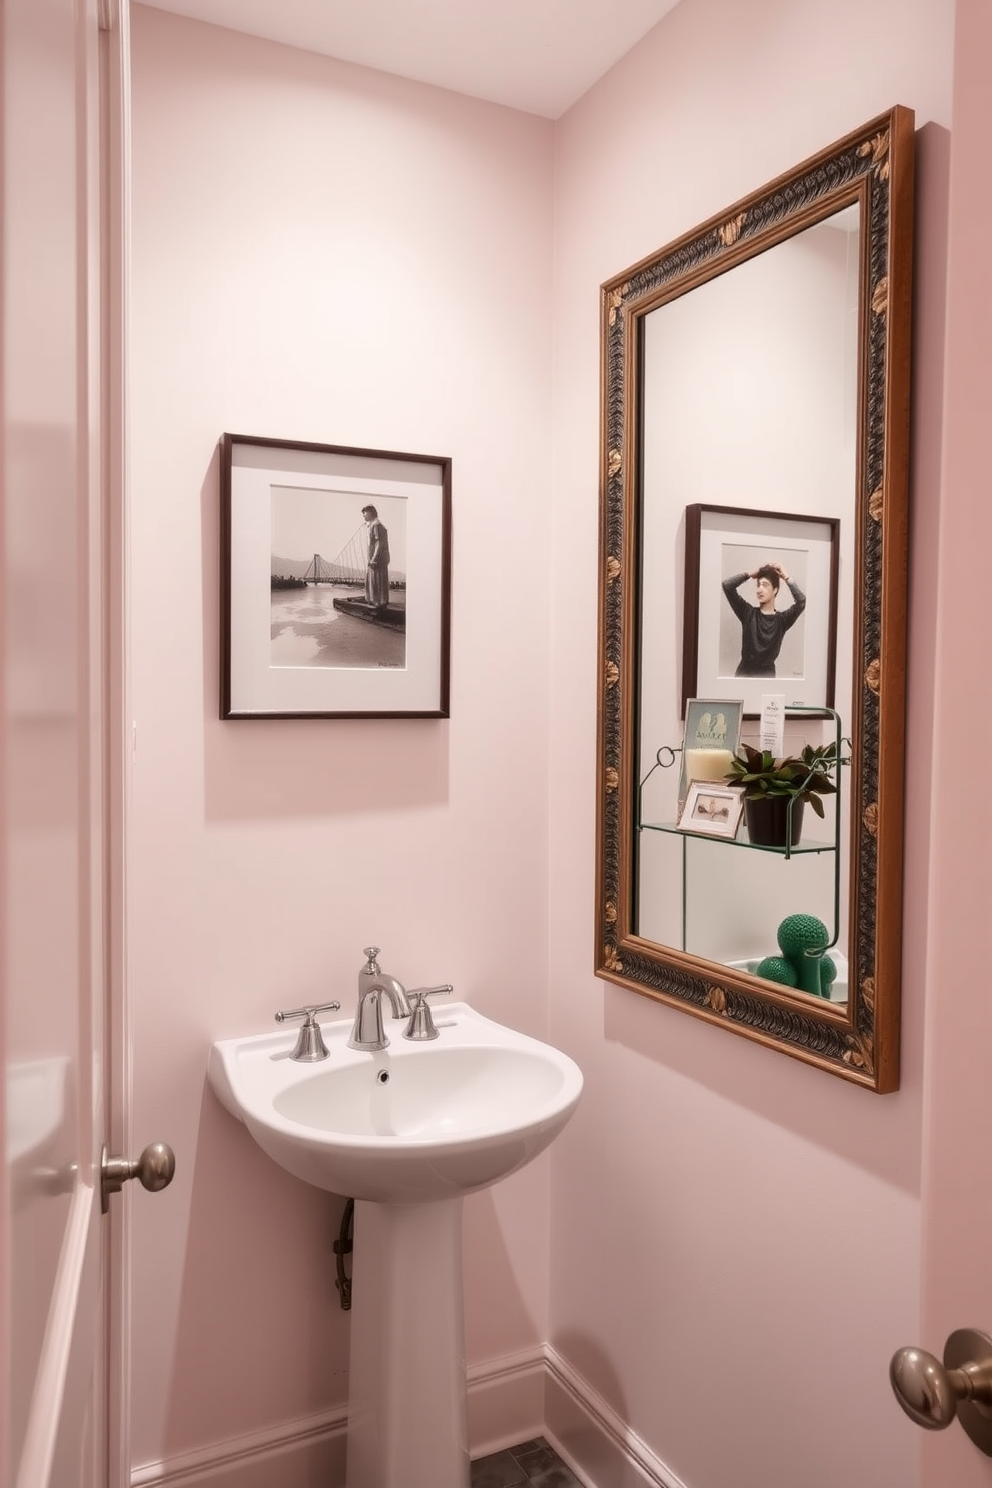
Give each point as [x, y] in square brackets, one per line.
[755, 377]
[775, 345]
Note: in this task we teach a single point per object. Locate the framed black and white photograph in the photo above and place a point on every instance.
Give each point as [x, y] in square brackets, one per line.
[335, 581]
[713, 810]
[760, 606]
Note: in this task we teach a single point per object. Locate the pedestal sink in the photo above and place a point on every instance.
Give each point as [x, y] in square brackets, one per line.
[406, 1133]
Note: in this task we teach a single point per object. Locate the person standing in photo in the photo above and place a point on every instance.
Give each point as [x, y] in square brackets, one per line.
[377, 571]
[763, 627]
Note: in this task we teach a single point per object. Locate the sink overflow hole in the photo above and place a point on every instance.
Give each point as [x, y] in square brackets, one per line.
[383, 1077]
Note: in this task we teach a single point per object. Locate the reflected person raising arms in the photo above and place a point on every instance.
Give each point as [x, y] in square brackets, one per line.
[763, 627]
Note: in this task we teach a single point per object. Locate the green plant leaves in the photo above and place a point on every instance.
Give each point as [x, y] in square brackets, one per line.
[805, 776]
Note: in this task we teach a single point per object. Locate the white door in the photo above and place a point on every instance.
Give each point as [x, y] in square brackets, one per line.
[54, 849]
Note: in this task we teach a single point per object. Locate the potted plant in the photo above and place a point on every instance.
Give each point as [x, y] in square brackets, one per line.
[776, 791]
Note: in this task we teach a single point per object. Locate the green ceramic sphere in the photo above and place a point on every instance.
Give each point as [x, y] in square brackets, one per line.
[777, 969]
[828, 974]
[801, 933]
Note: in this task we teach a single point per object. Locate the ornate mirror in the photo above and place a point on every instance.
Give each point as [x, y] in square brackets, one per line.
[753, 592]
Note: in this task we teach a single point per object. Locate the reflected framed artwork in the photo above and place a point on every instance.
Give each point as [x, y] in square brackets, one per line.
[710, 740]
[335, 581]
[760, 606]
[712, 810]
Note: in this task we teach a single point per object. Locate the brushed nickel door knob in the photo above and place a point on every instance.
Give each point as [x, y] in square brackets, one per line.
[154, 1170]
[933, 1393]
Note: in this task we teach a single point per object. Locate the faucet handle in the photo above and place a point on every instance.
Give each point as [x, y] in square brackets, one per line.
[371, 967]
[308, 1011]
[310, 1046]
[421, 1026]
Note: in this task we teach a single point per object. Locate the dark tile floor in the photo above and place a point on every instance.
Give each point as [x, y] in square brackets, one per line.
[533, 1464]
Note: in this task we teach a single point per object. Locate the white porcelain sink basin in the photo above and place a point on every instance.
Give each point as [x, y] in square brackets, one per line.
[416, 1122]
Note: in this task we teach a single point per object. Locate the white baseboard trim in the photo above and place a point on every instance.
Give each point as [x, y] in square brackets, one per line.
[298, 1446]
[598, 1445]
[510, 1399]
[506, 1400]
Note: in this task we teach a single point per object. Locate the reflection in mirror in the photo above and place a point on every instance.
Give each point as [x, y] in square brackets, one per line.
[754, 453]
[775, 345]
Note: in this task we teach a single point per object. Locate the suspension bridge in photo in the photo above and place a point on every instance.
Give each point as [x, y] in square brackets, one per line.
[347, 568]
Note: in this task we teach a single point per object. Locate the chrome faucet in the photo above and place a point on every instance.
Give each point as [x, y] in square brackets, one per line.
[368, 1033]
[373, 983]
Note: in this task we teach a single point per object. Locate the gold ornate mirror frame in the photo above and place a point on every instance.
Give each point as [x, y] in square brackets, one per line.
[859, 1039]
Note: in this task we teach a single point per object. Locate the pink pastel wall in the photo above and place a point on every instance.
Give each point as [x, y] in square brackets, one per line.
[735, 1238]
[323, 253]
[725, 1247]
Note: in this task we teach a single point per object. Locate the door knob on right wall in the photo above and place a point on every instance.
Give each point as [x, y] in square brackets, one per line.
[932, 1393]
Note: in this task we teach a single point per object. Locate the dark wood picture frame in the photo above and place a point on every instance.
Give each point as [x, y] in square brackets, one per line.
[335, 581]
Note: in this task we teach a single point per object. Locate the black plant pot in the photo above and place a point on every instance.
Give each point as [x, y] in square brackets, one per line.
[767, 819]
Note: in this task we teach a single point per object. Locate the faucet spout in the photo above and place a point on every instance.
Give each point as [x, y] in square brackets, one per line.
[395, 992]
[368, 1033]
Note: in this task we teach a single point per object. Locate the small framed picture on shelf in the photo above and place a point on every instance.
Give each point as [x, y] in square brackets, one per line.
[710, 740]
[712, 810]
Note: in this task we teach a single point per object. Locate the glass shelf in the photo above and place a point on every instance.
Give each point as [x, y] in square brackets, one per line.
[667, 757]
[783, 852]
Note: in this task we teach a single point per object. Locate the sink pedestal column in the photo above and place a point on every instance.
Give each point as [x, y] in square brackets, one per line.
[407, 1418]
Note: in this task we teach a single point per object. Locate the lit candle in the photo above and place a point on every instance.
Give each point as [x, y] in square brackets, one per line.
[707, 764]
